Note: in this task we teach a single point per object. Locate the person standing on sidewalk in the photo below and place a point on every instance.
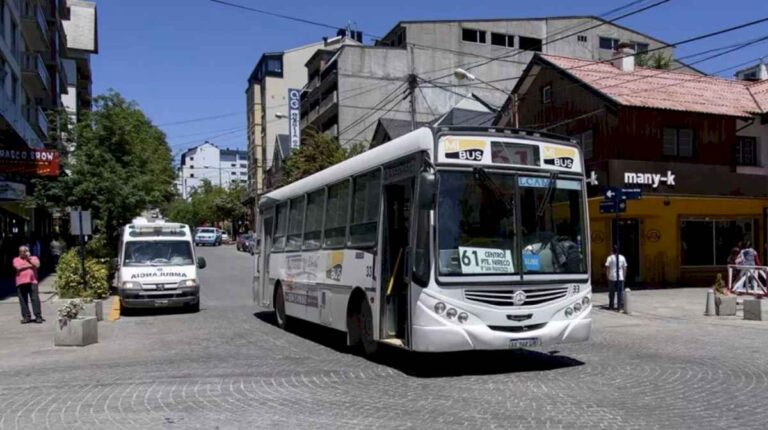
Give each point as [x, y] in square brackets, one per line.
[26, 266]
[616, 283]
[57, 250]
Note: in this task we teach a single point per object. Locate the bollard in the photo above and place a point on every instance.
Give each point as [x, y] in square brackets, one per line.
[709, 310]
[627, 301]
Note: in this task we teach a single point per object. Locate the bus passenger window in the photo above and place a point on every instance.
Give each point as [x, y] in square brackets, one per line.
[281, 219]
[336, 210]
[313, 223]
[295, 224]
[363, 229]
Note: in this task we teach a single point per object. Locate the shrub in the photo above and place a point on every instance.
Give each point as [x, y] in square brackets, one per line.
[69, 281]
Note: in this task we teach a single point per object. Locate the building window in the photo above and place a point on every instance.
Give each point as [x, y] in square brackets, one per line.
[14, 88]
[191, 175]
[677, 142]
[234, 164]
[746, 151]
[582, 38]
[546, 94]
[243, 166]
[470, 35]
[191, 158]
[14, 38]
[709, 242]
[586, 141]
[243, 173]
[275, 65]
[639, 46]
[505, 40]
[530, 44]
[609, 43]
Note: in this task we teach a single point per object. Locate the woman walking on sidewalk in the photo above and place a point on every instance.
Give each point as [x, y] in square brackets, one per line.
[26, 266]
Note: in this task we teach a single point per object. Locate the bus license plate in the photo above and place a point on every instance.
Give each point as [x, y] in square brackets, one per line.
[161, 302]
[524, 343]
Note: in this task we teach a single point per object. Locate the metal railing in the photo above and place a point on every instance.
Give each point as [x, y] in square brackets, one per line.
[42, 121]
[34, 62]
[750, 280]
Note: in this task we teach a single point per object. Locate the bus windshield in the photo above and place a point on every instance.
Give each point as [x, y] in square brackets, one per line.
[158, 253]
[477, 221]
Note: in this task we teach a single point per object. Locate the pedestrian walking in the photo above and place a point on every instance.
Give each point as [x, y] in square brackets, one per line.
[748, 257]
[26, 266]
[57, 248]
[616, 270]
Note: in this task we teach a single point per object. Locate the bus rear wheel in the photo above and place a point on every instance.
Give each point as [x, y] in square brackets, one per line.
[282, 318]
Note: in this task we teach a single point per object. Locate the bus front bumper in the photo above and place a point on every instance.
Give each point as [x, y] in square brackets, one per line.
[436, 333]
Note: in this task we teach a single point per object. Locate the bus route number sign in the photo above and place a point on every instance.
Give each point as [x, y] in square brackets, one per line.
[485, 260]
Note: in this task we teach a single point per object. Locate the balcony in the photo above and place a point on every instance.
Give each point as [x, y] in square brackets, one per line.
[332, 131]
[11, 114]
[35, 75]
[34, 26]
[329, 101]
[42, 121]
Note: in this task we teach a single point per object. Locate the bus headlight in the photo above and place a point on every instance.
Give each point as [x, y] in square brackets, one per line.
[577, 307]
[188, 283]
[439, 307]
[129, 285]
[568, 312]
[585, 301]
[451, 313]
[463, 317]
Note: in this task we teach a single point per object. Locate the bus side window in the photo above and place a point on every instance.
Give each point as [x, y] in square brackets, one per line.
[313, 222]
[281, 219]
[336, 209]
[366, 196]
[295, 224]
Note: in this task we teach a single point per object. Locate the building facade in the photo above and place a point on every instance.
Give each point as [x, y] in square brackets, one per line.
[694, 145]
[82, 42]
[222, 167]
[351, 87]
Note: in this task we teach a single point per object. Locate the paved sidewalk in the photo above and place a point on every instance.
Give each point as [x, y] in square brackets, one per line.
[45, 288]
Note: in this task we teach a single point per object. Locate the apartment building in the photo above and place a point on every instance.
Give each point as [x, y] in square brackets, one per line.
[207, 162]
[82, 42]
[352, 86]
[267, 101]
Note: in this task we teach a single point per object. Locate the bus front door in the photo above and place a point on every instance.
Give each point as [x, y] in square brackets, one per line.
[397, 204]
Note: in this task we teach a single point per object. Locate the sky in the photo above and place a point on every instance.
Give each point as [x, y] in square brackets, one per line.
[183, 60]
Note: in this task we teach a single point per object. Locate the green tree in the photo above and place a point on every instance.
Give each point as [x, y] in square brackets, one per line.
[317, 152]
[208, 204]
[656, 60]
[119, 165]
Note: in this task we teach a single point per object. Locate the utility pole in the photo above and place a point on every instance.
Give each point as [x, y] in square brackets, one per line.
[413, 83]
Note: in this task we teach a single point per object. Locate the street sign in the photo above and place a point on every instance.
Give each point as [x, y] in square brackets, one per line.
[613, 206]
[78, 219]
[631, 193]
[612, 194]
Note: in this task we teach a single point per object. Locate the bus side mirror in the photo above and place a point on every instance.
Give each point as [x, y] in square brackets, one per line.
[427, 189]
[201, 263]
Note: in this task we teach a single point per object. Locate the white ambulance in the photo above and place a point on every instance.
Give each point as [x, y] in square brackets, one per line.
[157, 266]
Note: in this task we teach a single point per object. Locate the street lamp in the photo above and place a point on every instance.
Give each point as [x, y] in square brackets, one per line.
[462, 74]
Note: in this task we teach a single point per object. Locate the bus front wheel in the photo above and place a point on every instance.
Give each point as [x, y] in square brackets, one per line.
[365, 327]
[280, 315]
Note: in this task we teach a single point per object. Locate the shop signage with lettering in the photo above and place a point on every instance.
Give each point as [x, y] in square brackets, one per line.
[650, 179]
[38, 162]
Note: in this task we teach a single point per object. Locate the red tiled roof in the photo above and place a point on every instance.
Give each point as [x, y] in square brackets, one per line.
[662, 89]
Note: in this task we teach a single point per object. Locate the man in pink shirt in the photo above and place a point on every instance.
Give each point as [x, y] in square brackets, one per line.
[26, 266]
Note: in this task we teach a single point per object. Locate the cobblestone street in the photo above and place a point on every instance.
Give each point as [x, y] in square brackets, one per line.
[230, 367]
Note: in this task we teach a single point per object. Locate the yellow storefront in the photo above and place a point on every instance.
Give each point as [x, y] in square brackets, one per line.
[677, 240]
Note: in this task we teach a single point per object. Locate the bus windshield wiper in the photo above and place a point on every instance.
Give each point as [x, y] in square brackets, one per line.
[482, 176]
[547, 195]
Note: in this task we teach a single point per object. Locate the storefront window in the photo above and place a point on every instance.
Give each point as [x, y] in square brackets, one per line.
[709, 242]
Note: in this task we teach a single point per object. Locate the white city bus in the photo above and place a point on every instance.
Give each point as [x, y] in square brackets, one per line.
[443, 239]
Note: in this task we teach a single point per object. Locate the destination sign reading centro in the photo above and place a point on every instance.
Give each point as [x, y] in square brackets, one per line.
[485, 260]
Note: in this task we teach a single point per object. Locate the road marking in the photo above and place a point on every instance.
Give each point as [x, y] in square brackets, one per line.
[114, 314]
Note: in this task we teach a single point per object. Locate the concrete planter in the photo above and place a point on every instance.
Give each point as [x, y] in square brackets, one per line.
[80, 331]
[725, 306]
[756, 309]
[93, 309]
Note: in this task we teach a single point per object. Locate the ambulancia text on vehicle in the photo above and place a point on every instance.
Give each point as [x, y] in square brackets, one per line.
[444, 239]
[157, 266]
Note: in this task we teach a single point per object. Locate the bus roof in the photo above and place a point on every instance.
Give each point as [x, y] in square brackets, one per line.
[421, 139]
